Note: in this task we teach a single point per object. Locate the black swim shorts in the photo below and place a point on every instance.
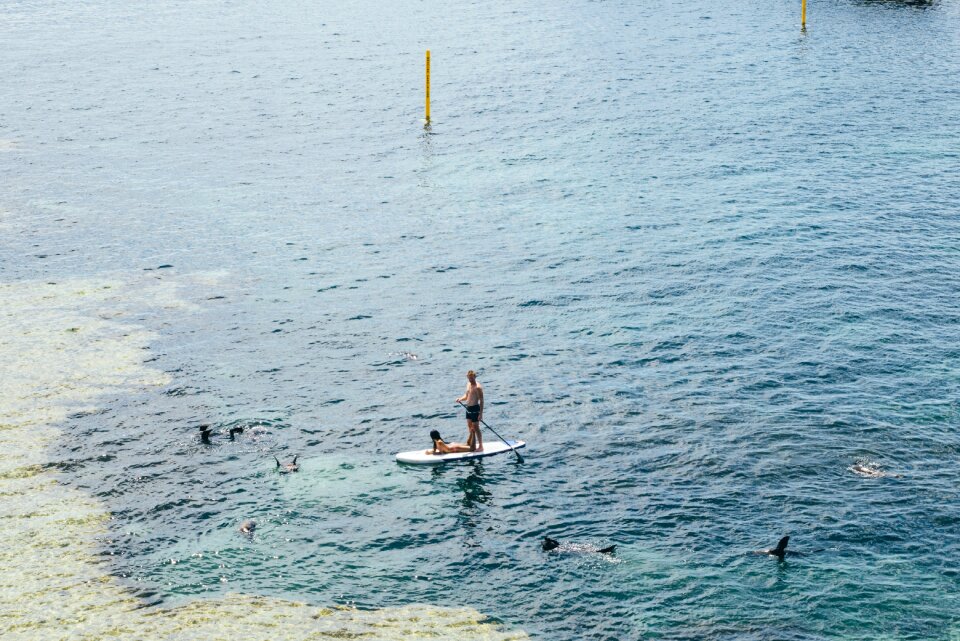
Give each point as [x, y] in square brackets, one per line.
[473, 413]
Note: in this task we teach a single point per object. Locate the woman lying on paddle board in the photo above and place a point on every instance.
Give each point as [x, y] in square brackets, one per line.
[441, 447]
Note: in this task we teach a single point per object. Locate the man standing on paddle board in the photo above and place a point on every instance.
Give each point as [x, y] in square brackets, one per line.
[473, 399]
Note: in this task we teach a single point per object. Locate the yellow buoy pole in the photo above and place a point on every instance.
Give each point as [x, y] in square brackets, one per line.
[803, 21]
[428, 83]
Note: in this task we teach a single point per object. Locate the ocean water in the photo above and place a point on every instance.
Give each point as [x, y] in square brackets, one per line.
[706, 265]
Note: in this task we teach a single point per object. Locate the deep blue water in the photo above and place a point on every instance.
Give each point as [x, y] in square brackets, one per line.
[704, 263]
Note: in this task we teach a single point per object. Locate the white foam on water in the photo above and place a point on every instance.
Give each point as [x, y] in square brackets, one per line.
[63, 347]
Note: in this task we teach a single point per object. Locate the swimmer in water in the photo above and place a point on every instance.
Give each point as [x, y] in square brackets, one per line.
[287, 468]
[871, 470]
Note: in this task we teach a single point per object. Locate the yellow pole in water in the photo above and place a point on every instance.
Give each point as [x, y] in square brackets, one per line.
[803, 15]
[428, 83]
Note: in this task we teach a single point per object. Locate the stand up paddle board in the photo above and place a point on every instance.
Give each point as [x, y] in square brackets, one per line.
[419, 457]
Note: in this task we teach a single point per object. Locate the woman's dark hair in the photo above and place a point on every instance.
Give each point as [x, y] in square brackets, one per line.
[435, 435]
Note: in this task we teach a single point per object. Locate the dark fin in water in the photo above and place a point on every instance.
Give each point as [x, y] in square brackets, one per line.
[549, 544]
[295, 460]
[205, 433]
[781, 550]
[608, 550]
[276, 459]
[235, 430]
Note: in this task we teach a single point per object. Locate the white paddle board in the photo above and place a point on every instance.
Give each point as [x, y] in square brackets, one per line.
[419, 457]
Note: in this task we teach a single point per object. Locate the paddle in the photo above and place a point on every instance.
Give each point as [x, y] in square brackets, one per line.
[519, 458]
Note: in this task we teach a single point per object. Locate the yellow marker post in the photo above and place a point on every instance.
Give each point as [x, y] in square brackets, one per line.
[428, 83]
[803, 22]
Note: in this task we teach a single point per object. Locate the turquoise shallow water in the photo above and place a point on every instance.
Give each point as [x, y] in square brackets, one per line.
[705, 265]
